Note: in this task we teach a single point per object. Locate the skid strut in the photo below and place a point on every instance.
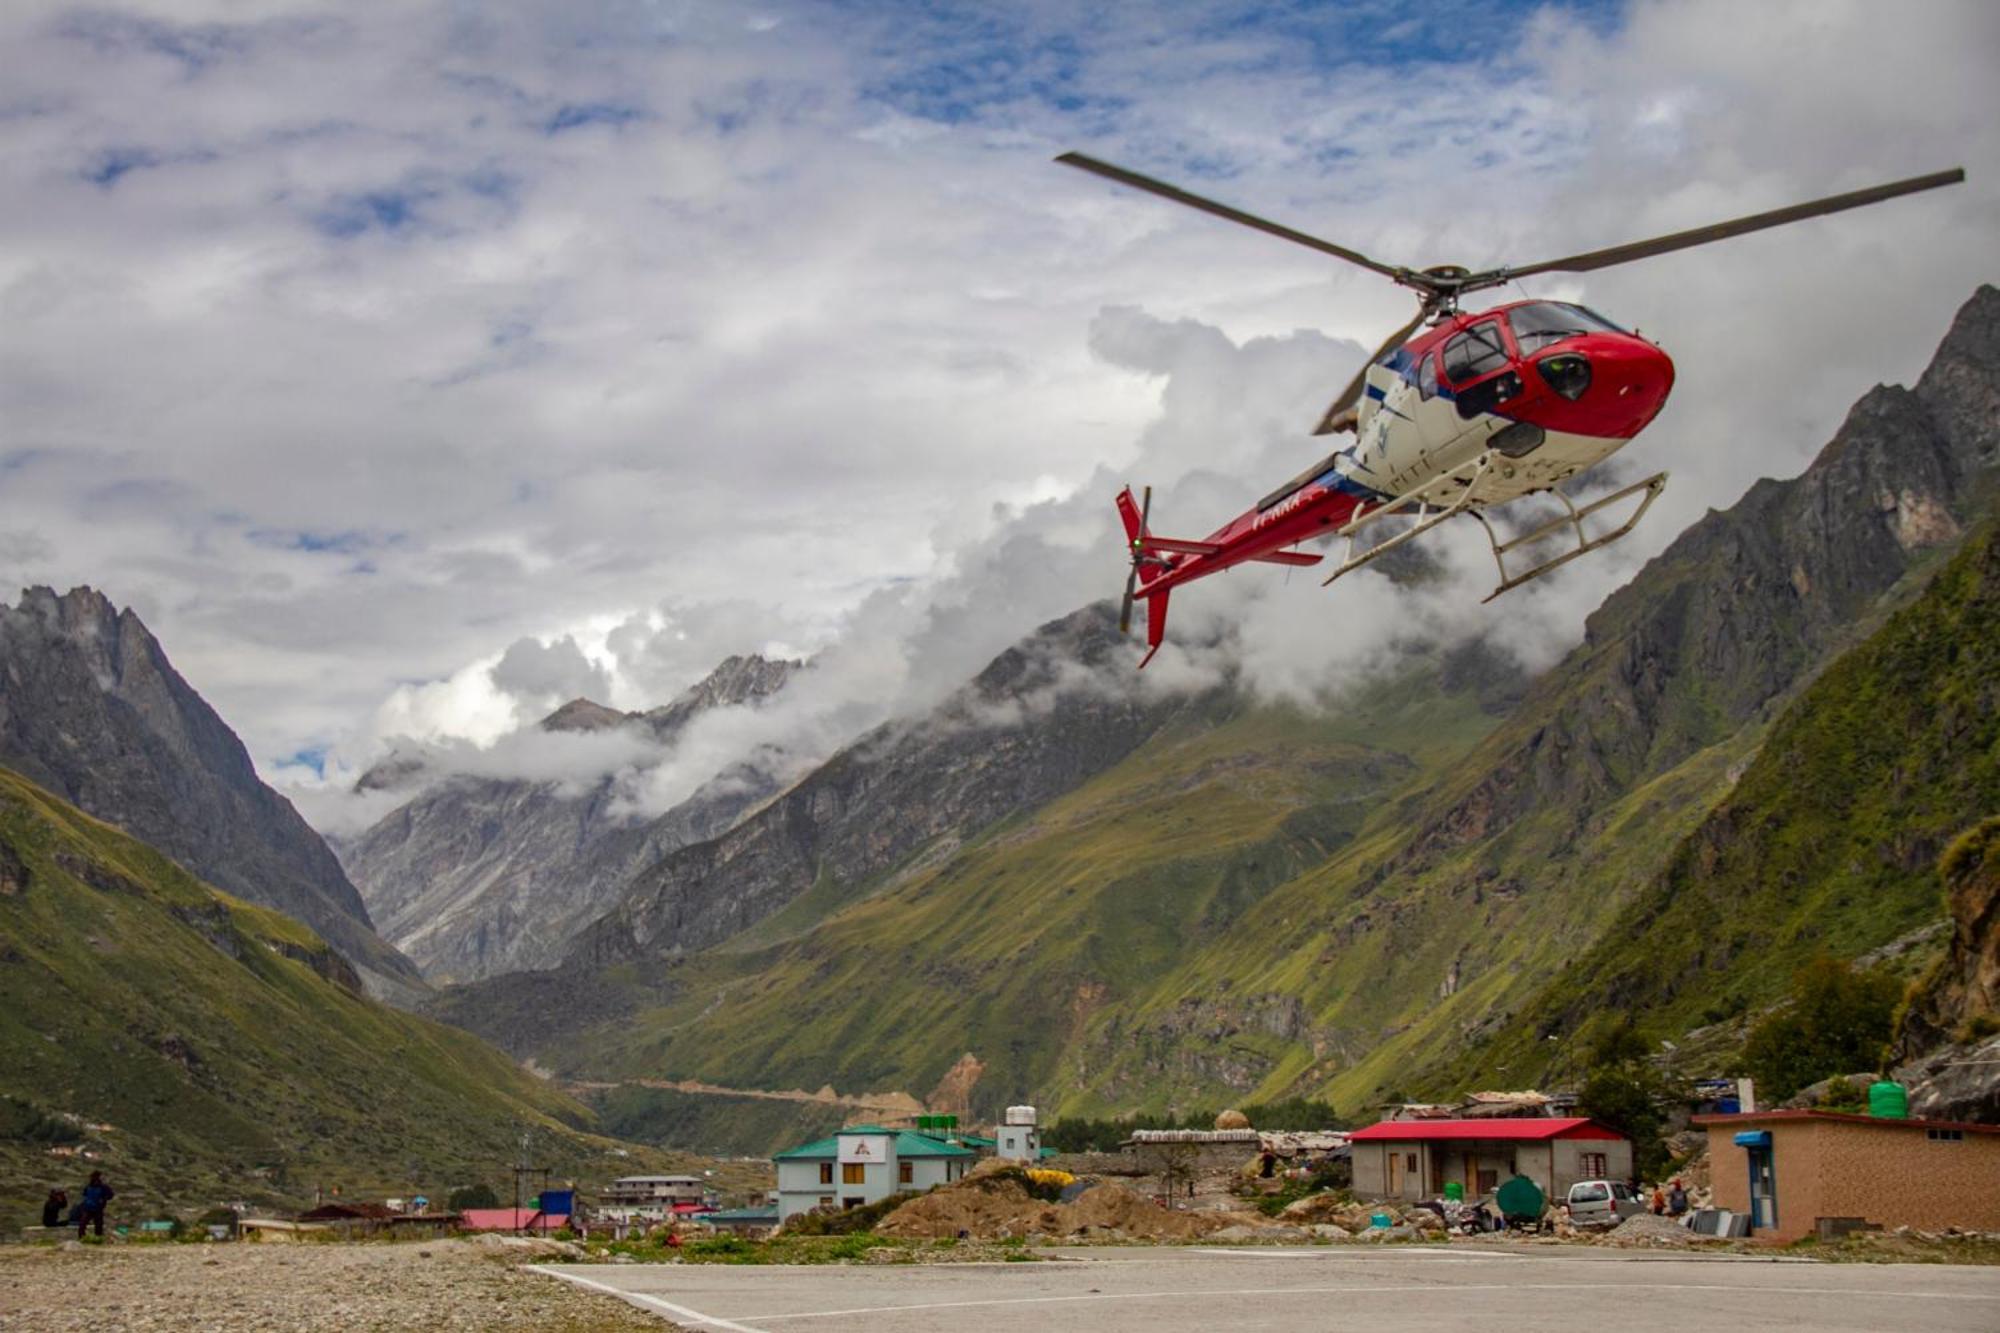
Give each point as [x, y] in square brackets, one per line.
[1585, 543]
[1427, 517]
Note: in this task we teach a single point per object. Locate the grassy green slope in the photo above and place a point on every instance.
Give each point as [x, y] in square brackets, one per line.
[1829, 841]
[220, 1043]
[1073, 911]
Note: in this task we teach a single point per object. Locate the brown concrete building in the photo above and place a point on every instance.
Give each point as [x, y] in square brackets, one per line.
[1788, 1169]
[1416, 1159]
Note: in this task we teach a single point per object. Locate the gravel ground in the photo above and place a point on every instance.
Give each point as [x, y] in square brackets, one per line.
[442, 1285]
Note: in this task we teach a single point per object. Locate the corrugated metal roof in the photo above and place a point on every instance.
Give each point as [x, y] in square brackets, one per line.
[1533, 1128]
[909, 1143]
[1194, 1136]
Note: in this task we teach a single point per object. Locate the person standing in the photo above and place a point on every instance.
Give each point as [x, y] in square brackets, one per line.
[53, 1208]
[1659, 1201]
[1677, 1201]
[95, 1196]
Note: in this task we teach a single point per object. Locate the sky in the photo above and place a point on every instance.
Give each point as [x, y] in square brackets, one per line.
[413, 367]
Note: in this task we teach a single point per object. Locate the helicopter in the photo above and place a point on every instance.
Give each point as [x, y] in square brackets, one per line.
[1479, 409]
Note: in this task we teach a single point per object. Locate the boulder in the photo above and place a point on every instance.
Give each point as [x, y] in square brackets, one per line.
[1326, 1206]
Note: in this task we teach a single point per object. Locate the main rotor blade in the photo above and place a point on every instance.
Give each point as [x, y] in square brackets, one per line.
[1125, 611]
[1718, 231]
[1352, 393]
[1180, 196]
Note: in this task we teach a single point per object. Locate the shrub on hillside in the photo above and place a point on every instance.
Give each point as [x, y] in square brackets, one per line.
[1835, 1020]
[472, 1196]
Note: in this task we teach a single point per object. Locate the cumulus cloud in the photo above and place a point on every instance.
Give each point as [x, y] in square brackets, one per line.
[539, 673]
[354, 346]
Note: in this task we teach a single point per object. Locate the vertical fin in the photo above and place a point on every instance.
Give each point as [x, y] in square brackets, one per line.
[1128, 510]
[1156, 624]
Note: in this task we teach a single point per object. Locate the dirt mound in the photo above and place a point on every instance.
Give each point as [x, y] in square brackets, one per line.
[1648, 1230]
[991, 1209]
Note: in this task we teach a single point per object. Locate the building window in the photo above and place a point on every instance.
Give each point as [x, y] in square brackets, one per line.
[906, 1173]
[1945, 1135]
[850, 1173]
[826, 1174]
[826, 1201]
[1591, 1165]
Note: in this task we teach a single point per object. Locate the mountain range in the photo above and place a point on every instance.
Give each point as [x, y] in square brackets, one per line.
[1067, 884]
[474, 876]
[1065, 888]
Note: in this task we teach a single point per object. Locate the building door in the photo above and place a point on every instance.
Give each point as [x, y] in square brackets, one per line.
[1395, 1160]
[1763, 1189]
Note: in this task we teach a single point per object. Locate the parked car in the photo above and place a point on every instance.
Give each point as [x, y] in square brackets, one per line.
[1603, 1202]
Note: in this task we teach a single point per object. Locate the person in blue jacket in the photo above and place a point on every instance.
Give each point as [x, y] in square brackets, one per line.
[91, 1211]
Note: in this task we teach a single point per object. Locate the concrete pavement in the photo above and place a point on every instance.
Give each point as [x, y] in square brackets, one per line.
[1159, 1290]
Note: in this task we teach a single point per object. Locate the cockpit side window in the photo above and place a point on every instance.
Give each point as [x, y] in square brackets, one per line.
[1477, 351]
[1427, 376]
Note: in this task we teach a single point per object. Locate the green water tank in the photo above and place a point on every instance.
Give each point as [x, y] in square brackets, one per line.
[1521, 1198]
[1455, 1191]
[1888, 1101]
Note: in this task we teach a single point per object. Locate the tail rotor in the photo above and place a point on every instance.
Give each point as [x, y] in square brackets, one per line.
[1138, 550]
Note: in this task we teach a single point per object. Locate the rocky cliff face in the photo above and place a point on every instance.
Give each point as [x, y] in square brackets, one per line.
[478, 876]
[1028, 728]
[91, 709]
[1963, 995]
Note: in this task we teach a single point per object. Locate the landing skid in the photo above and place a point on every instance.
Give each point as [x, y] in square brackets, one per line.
[1428, 517]
[1585, 543]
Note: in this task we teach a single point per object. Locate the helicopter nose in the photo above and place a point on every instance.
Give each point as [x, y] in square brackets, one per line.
[1608, 384]
[1638, 378]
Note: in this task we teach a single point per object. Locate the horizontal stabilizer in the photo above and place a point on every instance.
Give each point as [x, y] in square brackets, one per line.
[1175, 544]
[1289, 558]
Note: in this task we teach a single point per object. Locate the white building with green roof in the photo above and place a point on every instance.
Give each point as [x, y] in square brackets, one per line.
[863, 1164]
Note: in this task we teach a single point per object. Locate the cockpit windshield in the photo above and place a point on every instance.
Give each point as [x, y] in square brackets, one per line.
[1540, 323]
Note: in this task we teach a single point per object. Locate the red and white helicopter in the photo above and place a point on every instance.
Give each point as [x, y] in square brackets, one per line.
[1476, 410]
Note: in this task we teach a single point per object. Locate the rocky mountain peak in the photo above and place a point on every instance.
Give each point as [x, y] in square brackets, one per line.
[92, 710]
[585, 715]
[739, 679]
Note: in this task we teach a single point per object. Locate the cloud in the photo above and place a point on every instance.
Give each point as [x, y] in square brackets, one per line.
[353, 346]
[539, 673]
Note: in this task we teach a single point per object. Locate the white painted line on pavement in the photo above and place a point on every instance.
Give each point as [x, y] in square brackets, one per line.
[1399, 1289]
[1348, 1256]
[654, 1303]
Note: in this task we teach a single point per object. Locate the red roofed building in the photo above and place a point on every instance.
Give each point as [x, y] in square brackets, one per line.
[511, 1219]
[1416, 1159]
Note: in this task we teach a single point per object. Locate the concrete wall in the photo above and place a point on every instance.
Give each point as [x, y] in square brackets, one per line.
[1885, 1171]
[1568, 1167]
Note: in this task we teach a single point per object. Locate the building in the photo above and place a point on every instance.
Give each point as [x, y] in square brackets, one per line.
[1017, 1138]
[864, 1164]
[758, 1221]
[653, 1198]
[510, 1219]
[1789, 1170]
[1416, 1159]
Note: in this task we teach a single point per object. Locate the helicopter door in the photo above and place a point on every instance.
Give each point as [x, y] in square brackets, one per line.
[1479, 363]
